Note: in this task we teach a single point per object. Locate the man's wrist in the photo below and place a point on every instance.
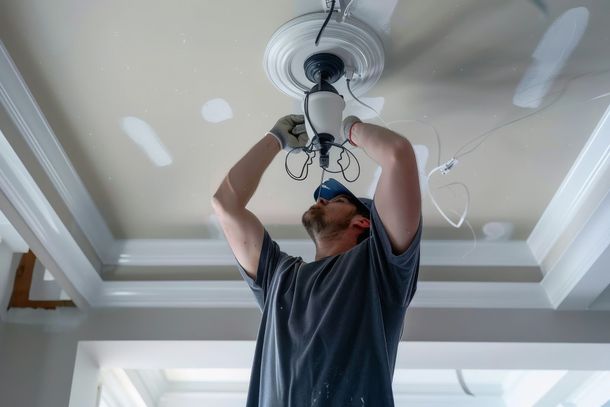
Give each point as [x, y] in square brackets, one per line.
[278, 141]
[351, 134]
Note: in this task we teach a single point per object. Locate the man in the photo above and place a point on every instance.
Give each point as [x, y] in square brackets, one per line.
[330, 328]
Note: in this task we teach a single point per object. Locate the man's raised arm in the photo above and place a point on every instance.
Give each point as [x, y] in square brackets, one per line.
[243, 230]
[397, 197]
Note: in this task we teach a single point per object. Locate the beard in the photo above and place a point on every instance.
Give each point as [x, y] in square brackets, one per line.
[316, 224]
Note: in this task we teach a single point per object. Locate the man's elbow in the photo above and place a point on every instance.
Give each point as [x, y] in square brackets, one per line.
[217, 205]
[221, 200]
[401, 152]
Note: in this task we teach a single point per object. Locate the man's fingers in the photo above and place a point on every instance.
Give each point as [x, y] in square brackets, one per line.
[297, 118]
[298, 129]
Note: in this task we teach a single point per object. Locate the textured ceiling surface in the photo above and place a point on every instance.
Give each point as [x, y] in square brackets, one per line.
[192, 71]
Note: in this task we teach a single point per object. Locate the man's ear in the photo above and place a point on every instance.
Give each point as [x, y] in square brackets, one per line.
[361, 222]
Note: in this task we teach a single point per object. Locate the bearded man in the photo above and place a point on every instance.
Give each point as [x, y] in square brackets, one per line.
[330, 328]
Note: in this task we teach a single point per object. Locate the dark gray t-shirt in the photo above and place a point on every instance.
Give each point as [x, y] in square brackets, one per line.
[330, 328]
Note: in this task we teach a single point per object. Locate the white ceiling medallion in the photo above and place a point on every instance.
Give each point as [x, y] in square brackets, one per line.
[351, 40]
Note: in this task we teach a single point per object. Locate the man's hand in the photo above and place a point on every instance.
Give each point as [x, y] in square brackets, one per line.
[290, 132]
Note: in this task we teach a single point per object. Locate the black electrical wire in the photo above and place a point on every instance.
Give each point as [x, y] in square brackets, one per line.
[330, 12]
[304, 169]
[311, 151]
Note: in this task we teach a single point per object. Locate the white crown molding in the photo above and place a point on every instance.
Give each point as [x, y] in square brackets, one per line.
[153, 382]
[149, 392]
[571, 240]
[17, 99]
[480, 295]
[216, 252]
[177, 294]
[11, 237]
[236, 294]
[582, 273]
[584, 179]
[27, 209]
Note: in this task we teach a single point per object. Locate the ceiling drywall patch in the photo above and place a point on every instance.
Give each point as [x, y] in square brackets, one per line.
[498, 230]
[551, 54]
[216, 111]
[356, 109]
[146, 138]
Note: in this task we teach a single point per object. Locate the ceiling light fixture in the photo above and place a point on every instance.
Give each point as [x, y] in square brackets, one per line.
[305, 58]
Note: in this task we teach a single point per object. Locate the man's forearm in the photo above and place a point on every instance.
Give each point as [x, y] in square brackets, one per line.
[381, 144]
[243, 178]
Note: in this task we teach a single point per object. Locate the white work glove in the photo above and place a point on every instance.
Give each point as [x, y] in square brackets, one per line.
[348, 122]
[290, 132]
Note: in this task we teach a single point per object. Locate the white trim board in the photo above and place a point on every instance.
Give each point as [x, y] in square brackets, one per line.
[236, 294]
[17, 99]
[583, 272]
[585, 180]
[23, 203]
[216, 252]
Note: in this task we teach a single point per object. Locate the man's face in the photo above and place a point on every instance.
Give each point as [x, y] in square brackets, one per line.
[329, 216]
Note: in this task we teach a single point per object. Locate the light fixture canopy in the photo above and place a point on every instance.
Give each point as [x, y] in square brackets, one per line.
[353, 41]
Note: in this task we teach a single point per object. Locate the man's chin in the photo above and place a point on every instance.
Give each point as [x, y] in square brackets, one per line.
[313, 221]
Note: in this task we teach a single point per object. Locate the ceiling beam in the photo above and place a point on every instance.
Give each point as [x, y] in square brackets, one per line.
[236, 294]
[30, 122]
[571, 239]
[28, 210]
[216, 252]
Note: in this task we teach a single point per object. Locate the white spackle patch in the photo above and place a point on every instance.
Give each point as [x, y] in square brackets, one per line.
[353, 108]
[551, 54]
[498, 231]
[216, 111]
[146, 138]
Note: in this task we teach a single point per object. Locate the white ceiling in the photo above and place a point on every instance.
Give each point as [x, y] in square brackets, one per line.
[455, 67]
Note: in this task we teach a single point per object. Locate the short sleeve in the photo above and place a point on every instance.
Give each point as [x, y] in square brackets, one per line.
[396, 273]
[271, 258]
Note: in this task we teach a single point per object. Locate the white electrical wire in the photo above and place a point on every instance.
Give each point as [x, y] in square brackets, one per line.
[346, 12]
[477, 141]
[444, 168]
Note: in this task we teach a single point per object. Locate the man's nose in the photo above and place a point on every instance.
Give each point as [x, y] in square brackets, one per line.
[322, 201]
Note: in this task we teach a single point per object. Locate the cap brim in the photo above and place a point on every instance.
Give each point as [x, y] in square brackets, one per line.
[332, 188]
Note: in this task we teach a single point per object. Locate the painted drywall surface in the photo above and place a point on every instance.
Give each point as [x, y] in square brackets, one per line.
[37, 363]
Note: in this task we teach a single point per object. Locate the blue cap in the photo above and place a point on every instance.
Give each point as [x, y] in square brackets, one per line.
[332, 188]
